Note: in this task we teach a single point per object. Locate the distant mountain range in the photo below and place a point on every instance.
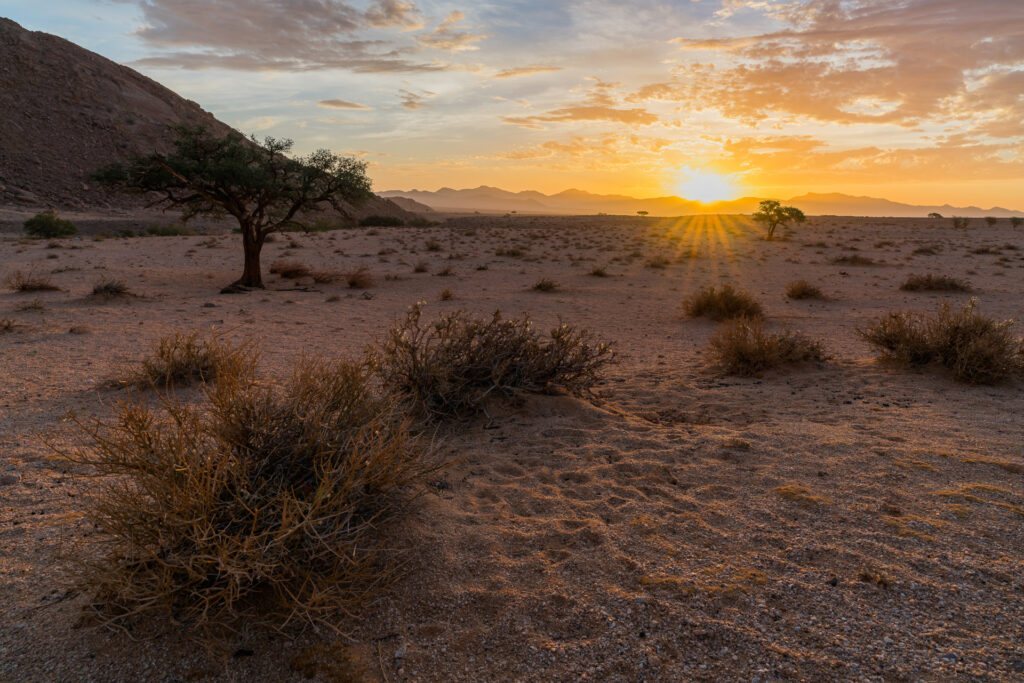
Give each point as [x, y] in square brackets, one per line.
[576, 202]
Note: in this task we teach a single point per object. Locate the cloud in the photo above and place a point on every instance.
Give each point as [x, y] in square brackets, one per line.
[600, 104]
[342, 104]
[525, 71]
[920, 57]
[285, 35]
[447, 37]
[411, 100]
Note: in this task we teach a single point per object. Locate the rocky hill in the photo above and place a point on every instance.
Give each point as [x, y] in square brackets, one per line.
[67, 111]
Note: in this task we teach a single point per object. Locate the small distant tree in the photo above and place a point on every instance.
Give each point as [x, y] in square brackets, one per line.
[991, 220]
[1016, 221]
[641, 213]
[254, 182]
[775, 215]
[934, 214]
[960, 223]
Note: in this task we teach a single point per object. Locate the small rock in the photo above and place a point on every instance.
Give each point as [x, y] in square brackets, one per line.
[209, 304]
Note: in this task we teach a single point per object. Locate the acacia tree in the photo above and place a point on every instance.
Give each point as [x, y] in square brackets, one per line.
[775, 214]
[256, 183]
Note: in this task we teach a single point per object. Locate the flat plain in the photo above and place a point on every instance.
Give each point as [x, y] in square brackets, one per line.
[843, 519]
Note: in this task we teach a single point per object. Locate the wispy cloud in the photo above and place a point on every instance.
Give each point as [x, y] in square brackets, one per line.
[343, 104]
[447, 36]
[526, 71]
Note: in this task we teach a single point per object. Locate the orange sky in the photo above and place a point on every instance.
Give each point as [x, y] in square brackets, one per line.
[913, 100]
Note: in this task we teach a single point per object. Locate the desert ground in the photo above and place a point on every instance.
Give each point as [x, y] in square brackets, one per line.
[839, 520]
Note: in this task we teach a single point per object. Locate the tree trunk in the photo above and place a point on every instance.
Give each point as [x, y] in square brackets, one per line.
[252, 245]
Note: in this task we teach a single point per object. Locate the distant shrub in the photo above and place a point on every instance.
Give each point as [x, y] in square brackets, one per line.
[181, 359]
[169, 230]
[290, 270]
[447, 367]
[259, 503]
[359, 278]
[510, 252]
[598, 271]
[30, 282]
[742, 347]
[933, 214]
[382, 222]
[48, 225]
[420, 267]
[991, 220]
[657, 262]
[1016, 221]
[721, 304]
[960, 223]
[545, 285]
[802, 289]
[975, 348]
[934, 283]
[7, 325]
[433, 245]
[110, 287]
[853, 260]
[323, 277]
[423, 223]
[445, 295]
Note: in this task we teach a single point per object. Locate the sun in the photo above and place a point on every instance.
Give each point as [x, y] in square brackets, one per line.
[705, 186]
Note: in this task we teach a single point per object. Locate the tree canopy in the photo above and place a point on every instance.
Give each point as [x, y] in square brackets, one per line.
[774, 214]
[254, 182]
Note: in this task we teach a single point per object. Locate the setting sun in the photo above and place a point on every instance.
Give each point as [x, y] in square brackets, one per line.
[705, 186]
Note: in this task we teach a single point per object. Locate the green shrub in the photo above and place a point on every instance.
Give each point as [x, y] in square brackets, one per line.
[742, 347]
[382, 222]
[48, 225]
[259, 503]
[447, 367]
[721, 304]
[975, 348]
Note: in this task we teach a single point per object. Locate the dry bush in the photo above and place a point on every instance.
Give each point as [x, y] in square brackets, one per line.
[359, 278]
[446, 295]
[974, 347]
[109, 287]
[7, 325]
[545, 285]
[853, 260]
[290, 270]
[721, 304]
[802, 289]
[447, 367]
[22, 282]
[934, 283]
[433, 245]
[261, 503]
[324, 277]
[599, 271]
[657, 262]
[420, 267]
[742, 347]
[178, 360]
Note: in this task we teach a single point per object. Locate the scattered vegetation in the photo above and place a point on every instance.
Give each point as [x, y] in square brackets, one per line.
[598, 271]
[742, 347]
[545, 285]
[1016, 221]
[7, 325]
[447, 367]
[974, 347]
[657, 262]
[721, 304]
[169, 230]
[853, 260]
[30, 282]
[433, 245]
[991, 220]
[259, 503]
[420, 267]
[802, 289]
[446, 295]
[48, 226]
[381, 222]
[934, 283]
[960, 223]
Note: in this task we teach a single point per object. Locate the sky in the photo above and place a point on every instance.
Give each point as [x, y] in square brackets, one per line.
[920, 101]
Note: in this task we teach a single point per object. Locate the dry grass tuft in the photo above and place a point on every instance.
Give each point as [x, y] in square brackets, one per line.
[446, 368]
[854, 260]
[7, 325]
[109, 287]
[324, 277]
[182, 359]
[22, 282]
[545, 285]
[260, 503]
[802, 289]
[976, 348]
[721, 304]
[934, 283]
[795, 493]
[359, 278]
[598, 271]
[742, 347]
[290, 270]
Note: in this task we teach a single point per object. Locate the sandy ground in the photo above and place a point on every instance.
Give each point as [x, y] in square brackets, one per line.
[640, 537]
